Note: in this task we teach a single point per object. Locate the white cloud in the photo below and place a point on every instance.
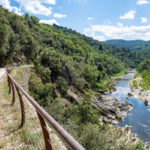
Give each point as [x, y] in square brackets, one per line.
[104, 32]
[90, 18]
[32, 6]
[129, 15]
[100, 38]
[52, 2]
[142, 2]
[37, 6]
[6, 4]
[51, 22]
[16, 10]
[56, 15]
[120, 24]
[144, 20]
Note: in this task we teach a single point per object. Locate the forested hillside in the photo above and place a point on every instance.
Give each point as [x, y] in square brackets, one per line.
[59, 55]
[144, 71]
[142, 48]
[132, 45]
[128, 57]
[22, 38]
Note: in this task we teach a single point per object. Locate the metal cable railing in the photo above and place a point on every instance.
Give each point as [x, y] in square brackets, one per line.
[36, 121]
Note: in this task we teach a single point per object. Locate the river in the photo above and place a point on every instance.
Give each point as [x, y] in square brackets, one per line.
[138, 117]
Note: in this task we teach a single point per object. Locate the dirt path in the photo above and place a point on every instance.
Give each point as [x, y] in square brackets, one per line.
[2, 72]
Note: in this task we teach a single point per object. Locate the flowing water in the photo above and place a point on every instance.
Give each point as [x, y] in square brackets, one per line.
[138, 117]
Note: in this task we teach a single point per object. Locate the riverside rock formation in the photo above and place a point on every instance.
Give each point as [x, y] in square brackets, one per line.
[138, 92]
[112, 110]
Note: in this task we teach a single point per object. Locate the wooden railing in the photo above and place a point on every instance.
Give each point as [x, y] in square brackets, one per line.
[43, 116]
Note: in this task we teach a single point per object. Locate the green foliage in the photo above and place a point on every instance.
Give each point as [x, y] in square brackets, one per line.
[136, 50]
[94, 138]
[44, 73]
[62, 86]
[145, 84]
[91, 75]
[51, 59]
[86, 112]
[132, 45]
[138, 146]
[56, 51]
[56, 108]
[103, 86]
[17, 40]
[144, 72]
[145, 65]
[43, 92]
[135, 84]
[76, 71]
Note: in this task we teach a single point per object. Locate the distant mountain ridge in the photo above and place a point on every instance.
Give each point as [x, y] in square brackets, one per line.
[132, 44]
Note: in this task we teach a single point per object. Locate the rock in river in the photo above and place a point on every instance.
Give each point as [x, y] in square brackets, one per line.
[130, 95]
[113, 110]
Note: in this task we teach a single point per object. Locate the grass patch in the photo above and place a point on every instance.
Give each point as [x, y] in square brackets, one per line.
[122, 73]
[135, 84]
[145, 84]
[27, 148]
[25, 136]
[6, 90]
[30, 139]
[2, 144]
[17, 73]
[21, 135]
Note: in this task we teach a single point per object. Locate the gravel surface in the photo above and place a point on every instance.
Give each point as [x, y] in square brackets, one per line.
[2, 73]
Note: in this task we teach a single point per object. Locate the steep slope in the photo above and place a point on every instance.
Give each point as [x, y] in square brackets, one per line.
[128, 57]
[23, 38]
[142, 48]
[58, 56]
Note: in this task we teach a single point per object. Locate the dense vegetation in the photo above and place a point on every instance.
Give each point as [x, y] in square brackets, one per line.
[144, 70]
[57, 56]
[128, 57]
[63, 60]
[132, 45]
[23, 39]
[139, 48]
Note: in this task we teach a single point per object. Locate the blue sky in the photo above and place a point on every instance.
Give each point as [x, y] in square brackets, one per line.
[100, 19]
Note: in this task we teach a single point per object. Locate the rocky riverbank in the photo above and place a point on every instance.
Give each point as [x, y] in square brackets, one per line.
[137, 92]
[112, 86]
[113, 110]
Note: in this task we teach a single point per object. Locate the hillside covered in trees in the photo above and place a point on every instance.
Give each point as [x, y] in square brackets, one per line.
[25, 40]
[142, 48]
[144, 71]
[24, 37]
[132, 45]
